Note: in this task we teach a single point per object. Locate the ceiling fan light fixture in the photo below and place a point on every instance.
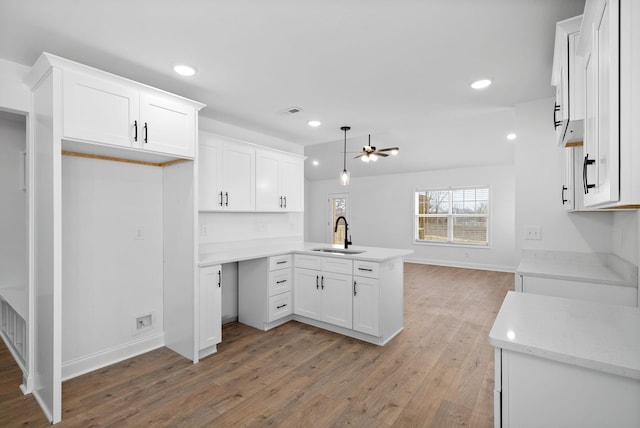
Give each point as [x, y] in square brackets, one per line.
[314, 123]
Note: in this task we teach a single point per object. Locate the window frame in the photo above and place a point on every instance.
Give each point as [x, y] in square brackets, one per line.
[450, 217]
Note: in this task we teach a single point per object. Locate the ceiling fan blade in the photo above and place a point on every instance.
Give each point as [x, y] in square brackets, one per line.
[359, 156]
[389, 149]
[377, 153]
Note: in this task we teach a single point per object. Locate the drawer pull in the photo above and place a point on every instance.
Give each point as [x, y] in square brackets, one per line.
[281, 262]
[281, 306]
[281, 281]
[365, 269]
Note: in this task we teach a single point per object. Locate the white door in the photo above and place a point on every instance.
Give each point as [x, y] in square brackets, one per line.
[366, 305]
[100, 111]
[168, 126]
[306, 295]
[268, 195]
[337, 299]
[338, 203]
[238, 179]
[210, 306]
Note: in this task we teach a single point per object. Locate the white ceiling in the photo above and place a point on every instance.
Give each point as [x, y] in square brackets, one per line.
[397, 69]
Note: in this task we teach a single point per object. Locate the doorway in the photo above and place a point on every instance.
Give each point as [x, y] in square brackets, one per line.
[338, 206]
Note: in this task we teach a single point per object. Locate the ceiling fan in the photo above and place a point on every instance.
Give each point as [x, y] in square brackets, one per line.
[370, 153]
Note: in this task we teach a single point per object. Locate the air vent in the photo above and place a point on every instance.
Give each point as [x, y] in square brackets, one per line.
[291, 110]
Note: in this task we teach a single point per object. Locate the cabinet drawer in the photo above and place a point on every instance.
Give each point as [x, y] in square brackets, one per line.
[308, 262]
[331, 264]
[367, 269]
[280, 262]
[280, 281]
[280, 306]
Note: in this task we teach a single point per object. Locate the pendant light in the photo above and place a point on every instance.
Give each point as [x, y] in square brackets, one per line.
[344, 175]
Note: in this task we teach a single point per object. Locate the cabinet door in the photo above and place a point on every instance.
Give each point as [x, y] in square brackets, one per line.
[268, 195]
[306, 295]
[100, 111]
[167, 125]
[238, 177]
[337, 299]
[210, 306]
[602, 135]
[210, 196]
[292, 183]
[366, 305]
[568, 189]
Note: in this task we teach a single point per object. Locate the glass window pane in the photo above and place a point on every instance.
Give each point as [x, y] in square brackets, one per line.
[434, 202]
[433, 229]
[470, 230]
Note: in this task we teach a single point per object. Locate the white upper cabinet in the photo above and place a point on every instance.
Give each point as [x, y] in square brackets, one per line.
[104, 109]
[226, 174]
[279, 182]
[98, 110]
[610, 46]
[568, 78]
[167, 125]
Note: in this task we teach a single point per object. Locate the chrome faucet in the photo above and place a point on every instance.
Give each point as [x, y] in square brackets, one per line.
[347, 242]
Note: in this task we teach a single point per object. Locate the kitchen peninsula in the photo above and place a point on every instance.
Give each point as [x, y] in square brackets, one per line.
[357, 292]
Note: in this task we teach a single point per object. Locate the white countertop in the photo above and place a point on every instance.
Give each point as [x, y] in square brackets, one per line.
[588, 334]
[599, 274]
[248, 252]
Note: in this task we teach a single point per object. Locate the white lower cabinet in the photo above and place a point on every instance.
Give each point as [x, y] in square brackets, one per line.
[210, 308]
[603, 293]
[323, 289]
[535, 392]
[366, 305]
[264, 291]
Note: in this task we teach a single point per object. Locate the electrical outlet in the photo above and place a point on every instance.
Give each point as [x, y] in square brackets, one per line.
[204, 231]
[532, 232]
[139, 234]
[142, 323]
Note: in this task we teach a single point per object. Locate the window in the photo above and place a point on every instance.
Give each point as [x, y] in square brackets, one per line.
[453, 216]
[337, 207]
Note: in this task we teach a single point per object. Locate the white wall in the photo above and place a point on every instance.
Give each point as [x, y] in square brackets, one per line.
[110, 275]
[626, 235]
[13, 227]
[382, 214]
[538, 184]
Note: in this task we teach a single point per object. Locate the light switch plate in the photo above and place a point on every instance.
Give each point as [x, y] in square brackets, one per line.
[532, 232]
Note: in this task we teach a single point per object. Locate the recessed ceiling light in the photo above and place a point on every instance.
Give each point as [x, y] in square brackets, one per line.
[184, 70]
[511, 136]
[481, 84]
[315, 163]
[314, 123]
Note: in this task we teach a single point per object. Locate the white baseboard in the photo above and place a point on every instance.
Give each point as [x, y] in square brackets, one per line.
[479, 266]
[88, 363]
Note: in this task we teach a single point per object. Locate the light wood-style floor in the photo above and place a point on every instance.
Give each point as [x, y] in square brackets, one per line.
[437, 373]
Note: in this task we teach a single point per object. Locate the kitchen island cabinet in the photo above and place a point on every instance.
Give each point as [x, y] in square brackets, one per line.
[369, 303]
[265, 291]
[565, 362]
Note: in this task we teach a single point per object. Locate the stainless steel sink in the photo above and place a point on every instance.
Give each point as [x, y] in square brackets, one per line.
[337, 251]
